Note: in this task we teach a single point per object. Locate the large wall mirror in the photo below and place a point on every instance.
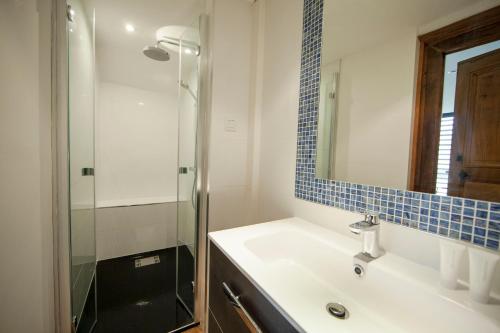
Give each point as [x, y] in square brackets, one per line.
[410, 96]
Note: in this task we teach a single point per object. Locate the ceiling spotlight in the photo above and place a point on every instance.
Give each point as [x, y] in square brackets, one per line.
[129, 27]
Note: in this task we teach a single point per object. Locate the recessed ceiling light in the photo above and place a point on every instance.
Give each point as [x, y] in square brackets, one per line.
[129, 27]
[140, 103]
[188, 51]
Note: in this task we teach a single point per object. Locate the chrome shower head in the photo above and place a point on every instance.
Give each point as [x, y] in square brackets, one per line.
[156, 53]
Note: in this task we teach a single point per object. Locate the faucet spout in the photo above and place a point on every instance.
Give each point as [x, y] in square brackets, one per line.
[362, 226]
[369, 229]
[355, 230]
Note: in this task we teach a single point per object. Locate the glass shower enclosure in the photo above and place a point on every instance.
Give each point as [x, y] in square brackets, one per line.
[187, 191]
[80, 34]
[82, 115]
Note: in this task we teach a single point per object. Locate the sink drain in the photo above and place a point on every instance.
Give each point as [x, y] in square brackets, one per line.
[337, 310]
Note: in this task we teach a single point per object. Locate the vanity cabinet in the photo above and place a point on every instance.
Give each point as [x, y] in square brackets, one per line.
[236, 305]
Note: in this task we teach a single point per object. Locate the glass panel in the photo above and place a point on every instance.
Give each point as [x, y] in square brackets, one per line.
[81, 151]
[187, 199]
[378, 124]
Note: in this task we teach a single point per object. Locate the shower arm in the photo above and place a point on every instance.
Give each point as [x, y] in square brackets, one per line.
[177, 42]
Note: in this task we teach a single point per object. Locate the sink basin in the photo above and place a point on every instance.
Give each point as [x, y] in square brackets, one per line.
[302, 267]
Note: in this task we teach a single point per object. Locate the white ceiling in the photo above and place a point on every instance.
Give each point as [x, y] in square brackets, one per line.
[352, 25]
[119, 53]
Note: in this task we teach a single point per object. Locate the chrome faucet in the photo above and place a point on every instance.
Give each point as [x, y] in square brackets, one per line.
[369, 229]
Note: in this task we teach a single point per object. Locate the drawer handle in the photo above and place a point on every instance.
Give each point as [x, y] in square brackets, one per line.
[240, 309]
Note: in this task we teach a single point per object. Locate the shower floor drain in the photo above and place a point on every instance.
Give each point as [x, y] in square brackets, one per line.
[147, 261]
[337, 310]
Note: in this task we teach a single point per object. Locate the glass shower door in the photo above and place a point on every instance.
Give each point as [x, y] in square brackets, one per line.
[187, 201]
[80, 32]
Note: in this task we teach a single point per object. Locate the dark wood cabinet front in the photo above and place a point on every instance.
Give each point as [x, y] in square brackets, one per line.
[256, 312]
[213, 326]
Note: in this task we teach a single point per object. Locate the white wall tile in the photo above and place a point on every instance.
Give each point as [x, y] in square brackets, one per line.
[122, 231]
[136, 143]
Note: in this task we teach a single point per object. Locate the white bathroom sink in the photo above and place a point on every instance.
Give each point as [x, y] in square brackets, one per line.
[301, 267]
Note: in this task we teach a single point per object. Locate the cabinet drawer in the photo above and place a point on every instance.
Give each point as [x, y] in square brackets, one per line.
[229, 318]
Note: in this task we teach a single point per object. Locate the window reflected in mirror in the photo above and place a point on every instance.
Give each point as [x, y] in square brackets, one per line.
[410, 97]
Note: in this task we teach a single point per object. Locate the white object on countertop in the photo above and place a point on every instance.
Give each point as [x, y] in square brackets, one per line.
[451, 254]
[481, 269]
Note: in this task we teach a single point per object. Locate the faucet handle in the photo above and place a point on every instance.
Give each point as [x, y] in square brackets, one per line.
[372, 218]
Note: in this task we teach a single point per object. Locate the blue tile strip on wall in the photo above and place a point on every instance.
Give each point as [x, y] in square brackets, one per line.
[472, 221]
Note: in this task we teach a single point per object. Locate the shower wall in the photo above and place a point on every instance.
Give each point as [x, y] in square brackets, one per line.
[136, 169]
[122, 231]
[136, 145]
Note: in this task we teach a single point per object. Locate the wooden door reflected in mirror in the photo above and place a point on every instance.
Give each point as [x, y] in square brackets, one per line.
[456, 142]
[475, 151]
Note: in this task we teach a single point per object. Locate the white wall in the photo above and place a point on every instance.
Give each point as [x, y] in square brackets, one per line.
[279, 109]
[26, 277]
[136, 143]
[277, 149]
[229, 159]
[375, 113]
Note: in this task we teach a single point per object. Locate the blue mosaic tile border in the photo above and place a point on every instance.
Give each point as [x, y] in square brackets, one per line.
[468, 220]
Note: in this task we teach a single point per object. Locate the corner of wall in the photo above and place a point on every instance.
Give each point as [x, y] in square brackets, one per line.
[258, 42]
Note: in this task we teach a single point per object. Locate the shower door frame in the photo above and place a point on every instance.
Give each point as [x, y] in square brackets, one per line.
[60, 167]
[202, 183]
